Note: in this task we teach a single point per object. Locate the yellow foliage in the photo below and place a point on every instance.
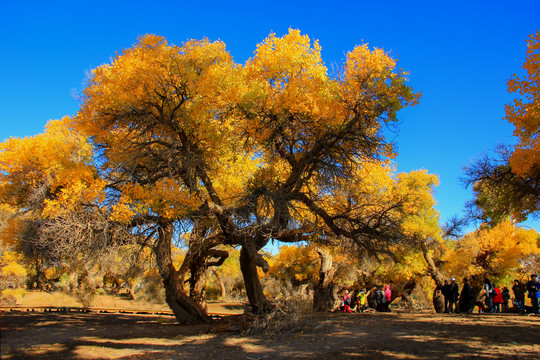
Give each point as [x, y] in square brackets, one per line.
[524, 113]
[17, 293]
[494, 252]
[152, 72]
[405, 198]
[56, 162]
[12, 227]
[178, 256]
[187, 89]
[231, 267]
[10, 264]
[409, 263]
[300, 263]
[290, 93]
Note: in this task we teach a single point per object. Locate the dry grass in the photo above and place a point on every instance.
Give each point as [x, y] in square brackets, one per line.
[286, 318]
[60, 299]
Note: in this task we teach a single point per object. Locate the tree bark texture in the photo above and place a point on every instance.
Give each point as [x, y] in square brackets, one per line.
[323, 295]
[185, 309]
[222, 287]
[408, 288]
[438, 298]
[254, 291]
[197, 284]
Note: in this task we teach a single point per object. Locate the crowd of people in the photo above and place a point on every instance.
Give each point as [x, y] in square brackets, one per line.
[493, 298]
[358, 300]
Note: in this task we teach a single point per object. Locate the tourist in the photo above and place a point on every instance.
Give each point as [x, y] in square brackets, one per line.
[354, 300]
[387, 297]
[466, 297]
[497, 299]
[506, 298]
[489, 295]
[380, 299]
[453, 296]
[445, 292]
[519, 295]
[361, 302]
[346, 302]
[533, 287]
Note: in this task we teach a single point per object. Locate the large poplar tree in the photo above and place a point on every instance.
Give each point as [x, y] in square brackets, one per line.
[190, 145]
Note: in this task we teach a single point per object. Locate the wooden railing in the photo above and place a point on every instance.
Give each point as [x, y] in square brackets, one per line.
[67, 309]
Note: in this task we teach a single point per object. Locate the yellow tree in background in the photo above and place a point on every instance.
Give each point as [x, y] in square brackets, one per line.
[43, 177]
[38, 172]
[509, 184]
[524, 113]
[499, 253]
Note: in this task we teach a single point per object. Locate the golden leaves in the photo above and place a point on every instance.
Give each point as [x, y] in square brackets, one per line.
[56, 162]
[363, 64]
[497, 251]
[10, 262]
[182, 86]
[155, 98]
[524, 113]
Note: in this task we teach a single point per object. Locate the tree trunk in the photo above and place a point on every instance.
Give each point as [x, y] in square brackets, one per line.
[199, 265]
[432, 268]
[257, 300]
[221, 285]
[131, 290]
[323, 295]
[197, 284]
[408, 288]
[38, 280]
[438, 298]
[185, 309]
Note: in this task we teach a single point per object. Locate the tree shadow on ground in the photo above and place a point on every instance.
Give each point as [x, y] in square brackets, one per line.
[323, 336]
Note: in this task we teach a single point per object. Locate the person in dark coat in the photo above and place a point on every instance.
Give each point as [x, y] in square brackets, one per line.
[380, 299]
[453, 296]
[506, 298]
[519, 295]
[466, 297]
[445, 292]
[533, 287]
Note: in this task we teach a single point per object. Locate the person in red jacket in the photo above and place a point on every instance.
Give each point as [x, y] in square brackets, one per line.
[346, 302]
[497, 299]
[387, 297]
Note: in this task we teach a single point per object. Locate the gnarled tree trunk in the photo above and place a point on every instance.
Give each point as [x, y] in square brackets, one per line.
[222, 287]
[185, 309]
[197, 284]
[197, 261]
[438, 298]
[405, 293]
[254, 291]
[323, 295]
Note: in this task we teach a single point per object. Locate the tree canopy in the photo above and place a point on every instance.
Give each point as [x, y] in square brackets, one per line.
[181, 144]
[508, 184]
[524, 113]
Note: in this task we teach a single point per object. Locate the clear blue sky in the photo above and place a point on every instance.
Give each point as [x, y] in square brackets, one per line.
[459, 53]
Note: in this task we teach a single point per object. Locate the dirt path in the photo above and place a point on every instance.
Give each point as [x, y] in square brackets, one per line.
[324, 336]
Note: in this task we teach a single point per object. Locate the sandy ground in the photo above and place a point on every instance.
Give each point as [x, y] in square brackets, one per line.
[395, 335]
